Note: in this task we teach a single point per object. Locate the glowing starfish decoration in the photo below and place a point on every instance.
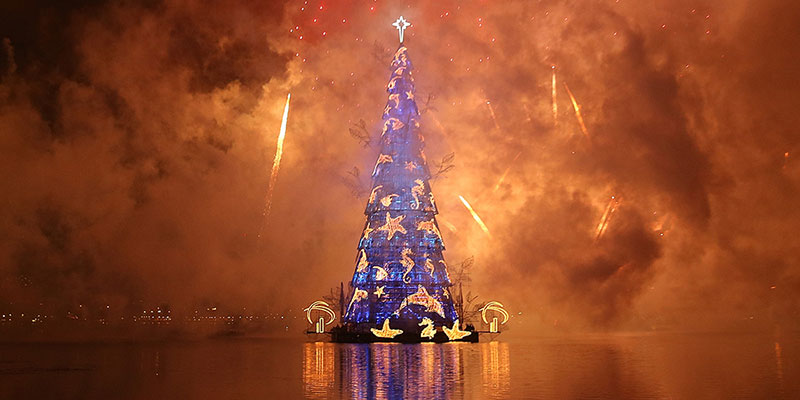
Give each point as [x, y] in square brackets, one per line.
[385, 331]
[401, 24]
[367, 231]
[393, 225]
[455, 333]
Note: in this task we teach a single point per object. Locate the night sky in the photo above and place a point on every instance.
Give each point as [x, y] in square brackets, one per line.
[137, 141]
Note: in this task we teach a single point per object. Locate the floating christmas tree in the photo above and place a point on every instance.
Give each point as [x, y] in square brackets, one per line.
[400, 282]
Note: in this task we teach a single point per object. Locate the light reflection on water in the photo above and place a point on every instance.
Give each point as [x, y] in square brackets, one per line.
[394, 371]
[641, 366]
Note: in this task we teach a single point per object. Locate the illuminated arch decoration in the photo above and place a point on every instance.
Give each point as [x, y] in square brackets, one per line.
[323, 307]
[494, 306]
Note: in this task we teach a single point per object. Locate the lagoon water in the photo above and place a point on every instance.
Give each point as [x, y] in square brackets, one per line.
[646, 366]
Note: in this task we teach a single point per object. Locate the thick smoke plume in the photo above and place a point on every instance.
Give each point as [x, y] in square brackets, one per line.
[137, 143]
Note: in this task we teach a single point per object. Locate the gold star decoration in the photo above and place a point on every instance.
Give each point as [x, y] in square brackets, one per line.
[393, 225]
[379, 291]
[410, 95]
[385, 331]
[410, 165]
[455, 333]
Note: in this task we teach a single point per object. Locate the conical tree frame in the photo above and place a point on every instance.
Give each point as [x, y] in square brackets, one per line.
[400, 272]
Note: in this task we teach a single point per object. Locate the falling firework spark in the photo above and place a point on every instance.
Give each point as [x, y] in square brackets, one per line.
[577, 112]
[785, 159]
[494, 117]
[527, 112]
[448, 224]
[276, 164]
[611, 208]
[475, 216]
[503, 177]
[439, 125]
[555, 97]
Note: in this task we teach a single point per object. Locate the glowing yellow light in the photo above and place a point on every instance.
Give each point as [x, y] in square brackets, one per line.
[449, 225]
[491, 112]
[422, 298]
[322, 306]
[387, 200]
[276, 164]
[393, 82]
[383, 158]
[503, 177]
[374, 193]
[455, 333]
[577, 112]
[416, 191]
[439, 125]
[358, 295]
[407, 262]
[555, 96]
[367, 231]
[608, 214]
[430, 227]
[393, 225]
[493, 306]
[475, 216]
[429, 266]
[385, 331]
[429, 331]
[362, 262]
[381, 273]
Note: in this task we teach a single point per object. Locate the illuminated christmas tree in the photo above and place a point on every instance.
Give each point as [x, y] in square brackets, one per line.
[400, 285]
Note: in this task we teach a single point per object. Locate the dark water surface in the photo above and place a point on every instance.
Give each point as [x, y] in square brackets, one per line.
[660, 366]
